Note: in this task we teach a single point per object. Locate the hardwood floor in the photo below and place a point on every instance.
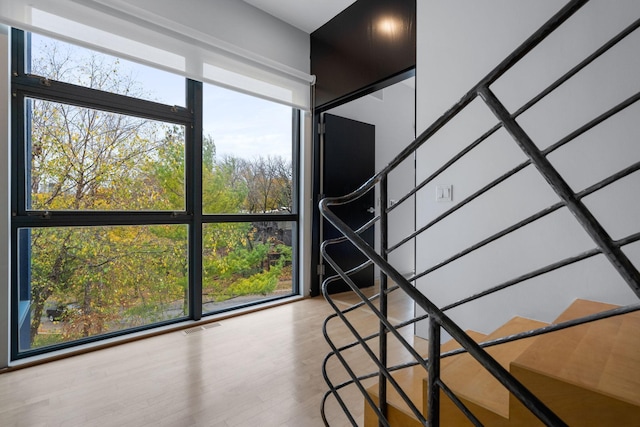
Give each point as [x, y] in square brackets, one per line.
[258, 369]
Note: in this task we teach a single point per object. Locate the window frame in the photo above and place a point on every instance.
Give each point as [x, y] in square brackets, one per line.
[25, 85]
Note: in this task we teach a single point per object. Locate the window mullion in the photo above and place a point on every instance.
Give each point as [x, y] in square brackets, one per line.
[20, 267]
[39, 87]
[193, 169]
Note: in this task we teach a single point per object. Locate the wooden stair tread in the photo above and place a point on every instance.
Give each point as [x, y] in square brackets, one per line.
[412, 379]
[409, 379]
[621, 375]
[574, 370]
[582, 307]
[470, 381]
[602, 356]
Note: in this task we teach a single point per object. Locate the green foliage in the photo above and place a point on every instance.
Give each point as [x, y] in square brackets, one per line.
[286, 254]
[108, 273]
[164, 174]
[259, 284]
[223, 191]
[263, 282]
[243, 262]
[43, 340]
[248, 266]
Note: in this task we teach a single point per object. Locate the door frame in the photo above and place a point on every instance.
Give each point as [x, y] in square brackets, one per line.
[318, 113]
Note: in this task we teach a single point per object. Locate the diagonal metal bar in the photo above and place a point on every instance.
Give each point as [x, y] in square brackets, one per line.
[463, 408]
[614, 254]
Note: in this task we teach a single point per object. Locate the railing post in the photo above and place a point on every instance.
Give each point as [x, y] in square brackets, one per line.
[382, 382]
[433, 403]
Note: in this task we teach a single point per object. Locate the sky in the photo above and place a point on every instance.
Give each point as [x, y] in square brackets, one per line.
[240, 125]
[246, 126]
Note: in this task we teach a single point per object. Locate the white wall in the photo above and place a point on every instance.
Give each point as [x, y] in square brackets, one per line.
[392, 111]
[460, 41]
[5, 245]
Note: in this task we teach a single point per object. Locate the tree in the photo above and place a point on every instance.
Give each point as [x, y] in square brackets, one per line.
[84, 159]
[223, 189]
[269, 184]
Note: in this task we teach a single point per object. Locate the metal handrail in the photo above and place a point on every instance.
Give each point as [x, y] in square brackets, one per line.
[438, 319]
[528, 399]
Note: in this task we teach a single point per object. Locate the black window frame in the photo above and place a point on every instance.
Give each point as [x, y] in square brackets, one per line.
[25, 85]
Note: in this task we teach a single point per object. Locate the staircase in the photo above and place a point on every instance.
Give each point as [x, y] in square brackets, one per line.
[582, 369]
[589, 375]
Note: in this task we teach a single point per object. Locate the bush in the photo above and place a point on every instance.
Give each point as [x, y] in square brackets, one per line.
[262, 283]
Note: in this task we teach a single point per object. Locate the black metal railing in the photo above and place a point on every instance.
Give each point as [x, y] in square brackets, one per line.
[375, 345]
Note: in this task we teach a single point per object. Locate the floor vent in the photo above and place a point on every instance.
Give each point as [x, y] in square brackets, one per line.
[197, 329]
[211, 325]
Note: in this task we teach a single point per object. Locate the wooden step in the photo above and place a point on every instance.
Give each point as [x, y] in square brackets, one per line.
[450, 345]
[474, 384]
[588, 374]
[412, 381]
[583, 307]
[454, 345]
[398, 412]
[450, 415]
[409, 379]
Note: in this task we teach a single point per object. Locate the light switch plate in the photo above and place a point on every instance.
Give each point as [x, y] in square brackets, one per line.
[444, 193]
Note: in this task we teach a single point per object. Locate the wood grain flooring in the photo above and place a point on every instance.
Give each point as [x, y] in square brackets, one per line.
[258, 369]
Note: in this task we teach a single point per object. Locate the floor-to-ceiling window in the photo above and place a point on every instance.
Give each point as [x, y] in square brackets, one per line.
[141, 198]
[248, 169]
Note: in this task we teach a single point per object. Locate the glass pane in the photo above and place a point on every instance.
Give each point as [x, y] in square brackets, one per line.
[245, 262]
[247, 150]
[84, 159]
[87, 281]
[68, 63]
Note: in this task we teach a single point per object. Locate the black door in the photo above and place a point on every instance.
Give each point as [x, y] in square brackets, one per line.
[349, 160]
